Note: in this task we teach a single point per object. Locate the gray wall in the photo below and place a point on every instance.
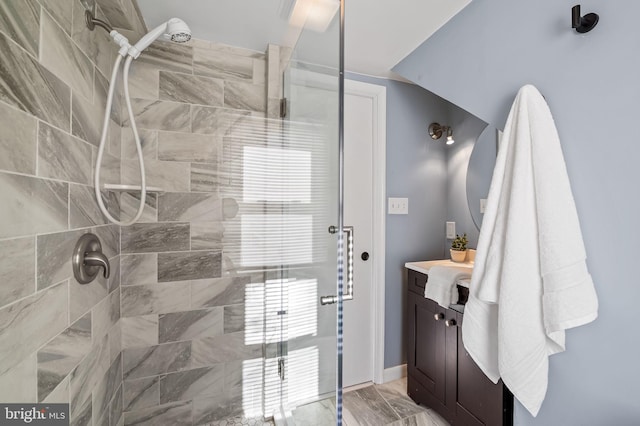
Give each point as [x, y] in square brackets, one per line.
[415, 169]
[591, 85]
[466, 129]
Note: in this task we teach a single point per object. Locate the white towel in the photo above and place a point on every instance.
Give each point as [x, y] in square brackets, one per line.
[441, 285]
[530, 281]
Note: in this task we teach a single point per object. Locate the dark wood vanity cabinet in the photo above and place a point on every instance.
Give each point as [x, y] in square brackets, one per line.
[441, 374]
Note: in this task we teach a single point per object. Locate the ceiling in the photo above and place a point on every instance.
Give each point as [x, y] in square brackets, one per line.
[378, 33]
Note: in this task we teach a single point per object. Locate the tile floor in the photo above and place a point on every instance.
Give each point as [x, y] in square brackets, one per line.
[375, 405]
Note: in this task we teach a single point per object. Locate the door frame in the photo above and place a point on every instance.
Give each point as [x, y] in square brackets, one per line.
[378, 95]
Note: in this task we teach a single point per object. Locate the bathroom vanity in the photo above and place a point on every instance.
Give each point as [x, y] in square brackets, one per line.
[441, 374]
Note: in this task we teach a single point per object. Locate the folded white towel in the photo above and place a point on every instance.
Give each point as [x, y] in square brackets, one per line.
[441, 285]
[530, 281]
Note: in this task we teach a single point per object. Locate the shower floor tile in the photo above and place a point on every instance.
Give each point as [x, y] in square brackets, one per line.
[374, 405]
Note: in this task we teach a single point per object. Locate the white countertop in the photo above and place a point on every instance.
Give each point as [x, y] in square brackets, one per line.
[424, 266]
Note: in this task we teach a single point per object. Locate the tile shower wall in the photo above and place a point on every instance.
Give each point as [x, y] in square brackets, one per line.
[186, 356]
[59, 341]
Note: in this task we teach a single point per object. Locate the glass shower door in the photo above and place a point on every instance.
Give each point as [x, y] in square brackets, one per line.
[305, 354]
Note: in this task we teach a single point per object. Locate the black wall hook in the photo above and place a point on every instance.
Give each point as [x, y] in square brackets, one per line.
[583, 24]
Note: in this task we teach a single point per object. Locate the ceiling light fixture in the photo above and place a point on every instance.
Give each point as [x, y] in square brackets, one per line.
[315, 15]
[436, 130]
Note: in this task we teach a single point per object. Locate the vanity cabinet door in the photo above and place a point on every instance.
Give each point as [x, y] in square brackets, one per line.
[426, 359]
[475, 399]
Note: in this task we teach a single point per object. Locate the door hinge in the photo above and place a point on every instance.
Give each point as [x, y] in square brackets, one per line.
[283, 107]
[281, 368]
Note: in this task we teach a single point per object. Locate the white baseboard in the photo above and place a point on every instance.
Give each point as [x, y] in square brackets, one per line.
[394, 373]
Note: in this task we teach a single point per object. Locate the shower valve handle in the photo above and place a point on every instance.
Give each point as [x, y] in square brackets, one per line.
[88, 258]
[96, 258]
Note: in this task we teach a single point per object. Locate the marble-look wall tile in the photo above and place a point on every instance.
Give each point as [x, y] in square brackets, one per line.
[205, 177]
[105, 315]
[54, 257]
[189, 207]
[95, 44]
[19, 384]
[88, 374]
[62, 57]
[234, 318]
[83, 207]
[245, 96]
[144, 79]
[116, 408]
[225, 348]
[186, 385]
[109, 236]
[190, 147]
[130, 203]
[189, 266]
[106, 389]
[61, 12]
[88, 115]
[81, 416]
[139, 331]
[34, 89]
[82, 297]
[155, 237]
[161, 115]
[259, 71]
[207, 235]
[214, 120]
[274, 75]
[17, 140]
[191, 89]
[59, 395]
[235, 50]
[155, 298]
[21, 330]
[61, 156]
[219, 407]
[20, 19]
[62, 354]
[148, 141]
[141, 393]
[219, 292]
[139, 269]
[168, 56]
[175, 414]
[123, 14]
[115, 341]
[222, 65]
[155, 360]
[17, 264]
[168, 175]
[190, 325]
[32, 206]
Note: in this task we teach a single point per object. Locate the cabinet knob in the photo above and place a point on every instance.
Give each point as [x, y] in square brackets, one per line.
[450, 323]
[438, 317]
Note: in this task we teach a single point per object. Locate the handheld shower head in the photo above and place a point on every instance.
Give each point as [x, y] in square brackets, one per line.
[174, 29]
[178, 30]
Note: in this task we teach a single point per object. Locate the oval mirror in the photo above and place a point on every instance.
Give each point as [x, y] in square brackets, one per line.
[480, 171]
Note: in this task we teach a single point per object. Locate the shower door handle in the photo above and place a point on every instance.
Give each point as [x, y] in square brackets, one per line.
[348, 294]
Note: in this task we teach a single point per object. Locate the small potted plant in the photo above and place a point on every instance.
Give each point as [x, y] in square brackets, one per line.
[459, 248]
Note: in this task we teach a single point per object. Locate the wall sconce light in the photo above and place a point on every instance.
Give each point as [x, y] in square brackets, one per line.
[436, 131]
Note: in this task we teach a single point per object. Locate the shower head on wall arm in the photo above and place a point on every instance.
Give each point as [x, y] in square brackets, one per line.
[174, 29]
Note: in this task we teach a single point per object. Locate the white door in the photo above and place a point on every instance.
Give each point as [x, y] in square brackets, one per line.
[358, 212]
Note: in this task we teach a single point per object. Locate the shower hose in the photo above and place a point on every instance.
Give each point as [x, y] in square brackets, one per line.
[103, 142]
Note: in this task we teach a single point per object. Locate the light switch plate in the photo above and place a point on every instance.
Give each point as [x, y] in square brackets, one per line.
[483, 205]
[451, 230]
[398, 206]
